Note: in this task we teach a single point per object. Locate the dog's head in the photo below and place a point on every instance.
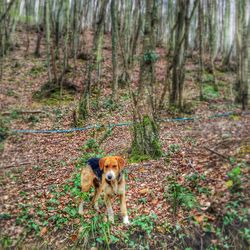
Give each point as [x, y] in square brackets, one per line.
[111, 166]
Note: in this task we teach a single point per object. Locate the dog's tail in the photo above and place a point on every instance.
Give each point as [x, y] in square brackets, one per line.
[80, 211]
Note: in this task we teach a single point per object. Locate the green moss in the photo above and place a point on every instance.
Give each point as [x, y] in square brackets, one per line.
[36, 70]
[82, 111]
[4, 131]
[50, 95]
[146, 144]
[136, 155]
[209, 92]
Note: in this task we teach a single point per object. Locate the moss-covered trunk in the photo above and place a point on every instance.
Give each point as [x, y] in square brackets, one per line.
[146, 139]
[145, 130]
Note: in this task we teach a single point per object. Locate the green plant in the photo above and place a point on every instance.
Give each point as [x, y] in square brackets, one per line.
[234, 213]
[179, 195]
[143, 200]
[4, 128]
[145, 223]
[150, 57]
[209, 92]
[194, 182]
[11, 92]
[109, 104]
[245, 233]
[27, 218]
[36, 70]
[90, 149]
[5, 242]
[173, 148]
[234, 182]
[97, 233]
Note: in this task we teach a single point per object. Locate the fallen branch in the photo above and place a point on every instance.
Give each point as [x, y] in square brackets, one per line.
[23, 112]
[218, 154]
[14, 165]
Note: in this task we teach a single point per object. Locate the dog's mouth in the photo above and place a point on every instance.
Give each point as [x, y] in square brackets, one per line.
[110, 176]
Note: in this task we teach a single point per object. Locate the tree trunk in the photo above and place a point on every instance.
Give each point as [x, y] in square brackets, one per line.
[47, 25]
[242, 40]
[95, 62]
[226, 46]
[200, 31]
[212, 6]
[114, 49]
[146, 134]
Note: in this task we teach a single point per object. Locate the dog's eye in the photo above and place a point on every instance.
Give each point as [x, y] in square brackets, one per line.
[114, 166]
[106, 166]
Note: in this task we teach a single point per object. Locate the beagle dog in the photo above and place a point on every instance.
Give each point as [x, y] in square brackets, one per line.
[106, 176]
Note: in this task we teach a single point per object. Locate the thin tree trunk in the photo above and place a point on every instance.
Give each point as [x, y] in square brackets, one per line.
[212, 4]
[114, 49]
[47, 25]
[146, 138]
[181, 45]
[94, 62]
[2, 17]
[200, 31]
[27, 13]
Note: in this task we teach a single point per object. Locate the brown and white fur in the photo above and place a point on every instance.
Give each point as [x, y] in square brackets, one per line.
[111, 183]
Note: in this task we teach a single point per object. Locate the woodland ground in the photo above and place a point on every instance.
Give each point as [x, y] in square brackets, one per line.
[191, 198]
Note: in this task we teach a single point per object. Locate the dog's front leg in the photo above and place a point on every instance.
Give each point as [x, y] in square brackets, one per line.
[124, 212]
[97, 194]
[110, 211]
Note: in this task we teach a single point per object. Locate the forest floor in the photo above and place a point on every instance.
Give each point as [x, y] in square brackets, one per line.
[195, 197]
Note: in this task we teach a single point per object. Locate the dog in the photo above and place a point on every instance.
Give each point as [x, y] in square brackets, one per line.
[107, 177]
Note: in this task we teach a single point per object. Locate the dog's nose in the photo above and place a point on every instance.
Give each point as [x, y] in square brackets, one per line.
[109, 177]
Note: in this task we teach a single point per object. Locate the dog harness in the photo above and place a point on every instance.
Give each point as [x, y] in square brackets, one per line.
[94, 164]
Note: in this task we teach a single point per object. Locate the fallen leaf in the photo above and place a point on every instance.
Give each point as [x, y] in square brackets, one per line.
[144, 191]
[73, 237]
[229, 183]
[199, 218]
[154, 202]
[43, 231]
[142, 170]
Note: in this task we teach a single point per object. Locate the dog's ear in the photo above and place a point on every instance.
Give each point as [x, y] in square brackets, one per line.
[101, 163]
[121, 162]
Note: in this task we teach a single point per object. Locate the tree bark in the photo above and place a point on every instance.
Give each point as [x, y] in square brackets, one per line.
[180, 49]
[146, 134]
[114, 49]
[94, 62]
[200, 30]
[242, 41]
[47, 25]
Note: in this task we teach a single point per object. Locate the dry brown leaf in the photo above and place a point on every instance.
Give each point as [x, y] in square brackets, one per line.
[43, 231]
[142, 170]
[144, 191]
[154, 202]
[73, 237]
[199, 218]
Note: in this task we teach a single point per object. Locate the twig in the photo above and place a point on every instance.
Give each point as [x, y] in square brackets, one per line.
[15, 165]
[190, 164]
[218, 154]
[24, 112]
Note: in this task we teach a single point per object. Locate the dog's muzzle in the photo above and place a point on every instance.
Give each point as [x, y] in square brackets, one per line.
[110, 176]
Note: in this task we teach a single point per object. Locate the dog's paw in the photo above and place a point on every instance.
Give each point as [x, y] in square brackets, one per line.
[125, 220]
